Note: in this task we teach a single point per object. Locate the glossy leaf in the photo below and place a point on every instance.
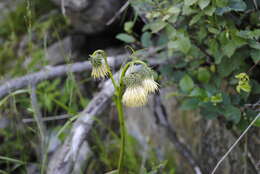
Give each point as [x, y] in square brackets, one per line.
[186, 83]
[125, 38]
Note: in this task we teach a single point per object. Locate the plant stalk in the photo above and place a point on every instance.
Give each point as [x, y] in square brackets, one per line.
[118, 94]
[122, 131]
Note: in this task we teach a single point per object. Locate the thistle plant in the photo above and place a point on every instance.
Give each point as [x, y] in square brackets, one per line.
[131, 89]
[99, 70]
[135, 94]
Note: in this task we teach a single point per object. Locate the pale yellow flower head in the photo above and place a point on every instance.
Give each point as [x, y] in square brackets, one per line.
[135, 95]
[148, 82]
[150, 85]
[99, 69]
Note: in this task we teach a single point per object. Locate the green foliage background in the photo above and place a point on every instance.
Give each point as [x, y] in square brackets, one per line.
[212, 41]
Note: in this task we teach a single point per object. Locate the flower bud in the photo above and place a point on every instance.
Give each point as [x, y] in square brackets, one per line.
[135, 95]
[99, 69]
[148, 82]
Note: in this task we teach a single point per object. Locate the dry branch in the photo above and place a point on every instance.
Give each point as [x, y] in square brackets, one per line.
[52, 72]
[63, 161]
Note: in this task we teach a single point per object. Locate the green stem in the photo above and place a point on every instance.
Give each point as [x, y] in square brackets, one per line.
[119, 105]
[122, 131]
[110, 73]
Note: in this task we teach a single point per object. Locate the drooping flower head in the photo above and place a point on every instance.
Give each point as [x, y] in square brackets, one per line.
[148, 82]
[135, 95]
[99, 69]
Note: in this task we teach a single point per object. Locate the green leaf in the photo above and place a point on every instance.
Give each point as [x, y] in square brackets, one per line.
[182, 44]
[174, 10]
[146, 39]
[232, 113]
[209, 111]
[202, 33]
[216, 99]
[255, 87]
[203, 75]
[255, 54]
[213, 30]
[257, 122]
[198, 92]
[186, 83]
[157, 26]
[228, 65]
[229, 48]
[187, 10]
[233, 5]
[128, 26]
[221, 3]
[237, 5]
[189, 2]
[203, 4]
[210, 10]
[190, 104]
[125, 38]
[254, 44]
[214, 50]
[245, 87]
[195, 18]
[243, 83]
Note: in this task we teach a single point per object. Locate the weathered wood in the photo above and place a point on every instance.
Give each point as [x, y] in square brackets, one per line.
[64, 159]
[52, 72]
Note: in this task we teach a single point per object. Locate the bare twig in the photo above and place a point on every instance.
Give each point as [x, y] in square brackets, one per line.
[118, 13]
[161, 115]
[234, 145]
[256, 5]
[52, 72]
[254, 105]
[251, 160]
[63, 9]
[64, 160]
